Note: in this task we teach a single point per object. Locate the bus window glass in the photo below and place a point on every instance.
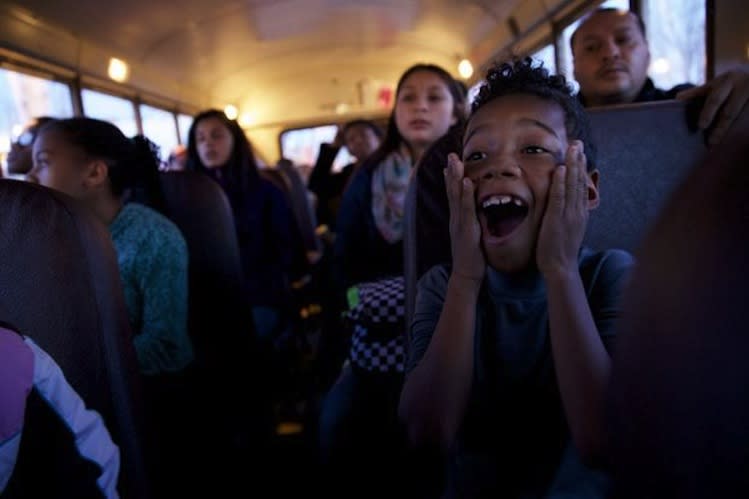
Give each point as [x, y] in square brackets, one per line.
[184, 122]
[676, 37]
[546, 56]
[302, 145]
[473, 92]
[563, 44]
[118, 111]
[159, 127]
[24, 97]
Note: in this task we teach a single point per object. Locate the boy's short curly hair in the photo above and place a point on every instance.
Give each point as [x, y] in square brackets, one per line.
[528, 77]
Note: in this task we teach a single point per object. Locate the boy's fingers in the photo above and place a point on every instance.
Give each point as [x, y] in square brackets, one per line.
[467, 202]
[571, 154]
[572, 178]
[457, 165]
[453, 193]
[582, 175]
[556, 191]
[575, 181]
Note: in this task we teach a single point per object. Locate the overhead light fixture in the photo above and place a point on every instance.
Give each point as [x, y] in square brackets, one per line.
[247, 119]
[231, 112]
[118, 70]
[465, 69]
[341, 108]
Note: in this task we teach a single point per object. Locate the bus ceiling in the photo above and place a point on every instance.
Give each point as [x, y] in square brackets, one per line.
[293, 61]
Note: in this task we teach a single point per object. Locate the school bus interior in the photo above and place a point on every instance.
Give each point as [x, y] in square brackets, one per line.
[292, 73]
[291, 64]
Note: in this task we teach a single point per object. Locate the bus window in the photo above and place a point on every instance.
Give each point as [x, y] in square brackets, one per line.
[302, 145]
[23, 97]
[159, 127]
[473, 92]
[563, 44]
[116, 110]
[546, 55]
[676, 37]
[184, 122]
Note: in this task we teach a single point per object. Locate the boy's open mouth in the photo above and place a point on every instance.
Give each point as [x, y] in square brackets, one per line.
[504, 213]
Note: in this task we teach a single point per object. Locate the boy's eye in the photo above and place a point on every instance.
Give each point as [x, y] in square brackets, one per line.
[533, 150]
[475, 156]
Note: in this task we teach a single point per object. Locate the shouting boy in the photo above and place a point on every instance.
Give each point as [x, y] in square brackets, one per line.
[510, 346]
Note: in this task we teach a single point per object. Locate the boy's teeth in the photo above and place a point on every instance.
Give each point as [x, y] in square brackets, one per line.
[495, 200]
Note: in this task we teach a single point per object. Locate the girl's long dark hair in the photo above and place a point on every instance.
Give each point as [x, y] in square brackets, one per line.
[241, 170]
[133, 164]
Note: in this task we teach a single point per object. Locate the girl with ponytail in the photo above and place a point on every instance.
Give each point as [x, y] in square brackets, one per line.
[93, 162]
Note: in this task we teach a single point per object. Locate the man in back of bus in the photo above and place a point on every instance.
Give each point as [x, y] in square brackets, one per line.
[611, 62]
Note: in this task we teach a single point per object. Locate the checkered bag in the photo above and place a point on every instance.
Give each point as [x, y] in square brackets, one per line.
[376, 317]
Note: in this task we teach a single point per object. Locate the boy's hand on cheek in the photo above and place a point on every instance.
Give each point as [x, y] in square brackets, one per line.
[566, 215]
[465, 231]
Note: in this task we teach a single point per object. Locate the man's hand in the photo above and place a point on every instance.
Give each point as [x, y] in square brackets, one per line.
[726, 96]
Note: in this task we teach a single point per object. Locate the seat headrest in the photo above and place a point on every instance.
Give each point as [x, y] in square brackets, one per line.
[60, 285]
[679, 408]
[644, 153]
[58, 269]
[201, 210]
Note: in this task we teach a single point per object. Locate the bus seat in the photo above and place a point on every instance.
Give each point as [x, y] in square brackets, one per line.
[274, 176]
[60, 286]
[644, 151]
[217, 310]
[426, 240]
[300, 204]
[678, 406]
[227, 376]
[300, 262]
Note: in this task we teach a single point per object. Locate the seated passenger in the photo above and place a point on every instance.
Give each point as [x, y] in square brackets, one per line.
[361, 138]
[51, 444]
[93, 162]
[218, 147]
[177, 160]
[359, 423]
[369, 245]
[611, 60]
[19, 158]
[510, 346]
